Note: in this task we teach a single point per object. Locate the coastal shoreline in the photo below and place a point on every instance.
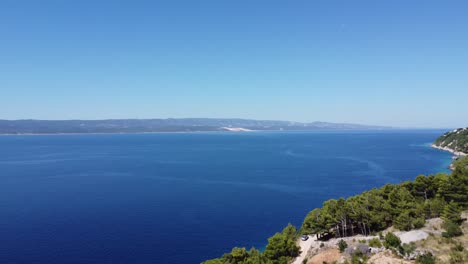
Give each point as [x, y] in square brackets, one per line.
[235, 130]
[130, 133]
[454, 152]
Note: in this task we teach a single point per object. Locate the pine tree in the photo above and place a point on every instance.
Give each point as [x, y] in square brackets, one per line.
[458, 184]
[403, 221]
[451, 213]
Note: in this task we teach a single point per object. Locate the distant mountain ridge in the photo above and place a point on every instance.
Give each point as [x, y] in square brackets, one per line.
[31, 126]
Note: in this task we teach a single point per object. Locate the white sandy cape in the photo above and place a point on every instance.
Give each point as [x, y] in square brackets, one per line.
[457, 153]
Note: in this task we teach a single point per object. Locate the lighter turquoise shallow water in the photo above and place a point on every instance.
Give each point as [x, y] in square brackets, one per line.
[182, 198]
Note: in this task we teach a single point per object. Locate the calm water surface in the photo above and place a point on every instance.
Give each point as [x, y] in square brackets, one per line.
[182, 198]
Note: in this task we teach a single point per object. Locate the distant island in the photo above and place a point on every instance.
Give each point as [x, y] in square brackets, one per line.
[455, 141]
[31, 126]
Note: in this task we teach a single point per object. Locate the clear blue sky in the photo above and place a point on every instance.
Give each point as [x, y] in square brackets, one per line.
[400, 63]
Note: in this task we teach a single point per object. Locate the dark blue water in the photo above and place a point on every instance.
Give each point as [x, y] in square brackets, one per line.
[182, 198]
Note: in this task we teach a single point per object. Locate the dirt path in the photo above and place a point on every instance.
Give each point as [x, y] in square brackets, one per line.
[305, 246]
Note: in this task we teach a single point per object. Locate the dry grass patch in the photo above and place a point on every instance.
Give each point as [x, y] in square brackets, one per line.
[387, 258]
[442, 247]
[328, 256]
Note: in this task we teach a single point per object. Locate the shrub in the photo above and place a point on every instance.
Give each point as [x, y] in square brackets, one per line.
[304, 261]
[342, 245]
[451, 230]
[458, 247]
[322, 245]
[392, 241]
[456, 257]
[375, 242]
[406, 249]
[427, 258]
[358, 258]
[418, 222]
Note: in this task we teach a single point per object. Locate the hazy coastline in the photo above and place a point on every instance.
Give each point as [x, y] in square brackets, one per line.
[454, 152]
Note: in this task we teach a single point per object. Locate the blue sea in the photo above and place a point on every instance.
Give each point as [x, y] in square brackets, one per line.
[185, 197]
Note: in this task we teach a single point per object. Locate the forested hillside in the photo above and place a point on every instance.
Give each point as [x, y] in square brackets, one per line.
[456, 140]
[405, 206]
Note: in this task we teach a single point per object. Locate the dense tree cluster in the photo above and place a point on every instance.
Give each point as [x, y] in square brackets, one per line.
[405, 205]
[281, 249]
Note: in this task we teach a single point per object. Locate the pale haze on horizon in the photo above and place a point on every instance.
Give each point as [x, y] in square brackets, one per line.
[398, 63]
